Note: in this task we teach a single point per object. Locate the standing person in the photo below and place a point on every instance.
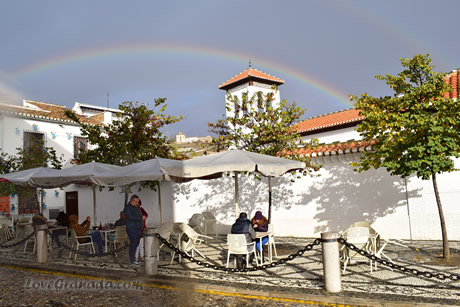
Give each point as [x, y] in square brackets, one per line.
[243, 226]
[260, 224]
[140, 247]
[134, 224]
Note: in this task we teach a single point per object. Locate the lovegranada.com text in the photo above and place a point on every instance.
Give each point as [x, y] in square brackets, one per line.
[68, 284]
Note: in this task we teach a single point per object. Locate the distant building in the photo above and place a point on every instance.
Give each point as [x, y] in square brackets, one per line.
[182, 139]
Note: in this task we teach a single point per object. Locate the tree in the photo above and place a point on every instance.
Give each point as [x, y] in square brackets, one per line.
[258, 126]
[35, 155]
[261, 127]
[416, 131]
[136, 135]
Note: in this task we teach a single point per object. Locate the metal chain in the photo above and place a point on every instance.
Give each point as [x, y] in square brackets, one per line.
[18, 242]
[205, 264]
[78, 252]
[404, 269]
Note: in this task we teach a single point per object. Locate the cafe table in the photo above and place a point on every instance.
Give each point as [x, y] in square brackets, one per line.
[259, 236]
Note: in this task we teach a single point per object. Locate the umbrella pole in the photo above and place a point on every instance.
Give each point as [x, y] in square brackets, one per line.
[159, 202]
[269, 199]
[94, 206]
[237, 207]
[41, 202]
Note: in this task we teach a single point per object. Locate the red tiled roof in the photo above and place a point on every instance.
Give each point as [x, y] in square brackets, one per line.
[247, 74]
[454, 80]
[336, 148]
[329, 120]
[45, 111]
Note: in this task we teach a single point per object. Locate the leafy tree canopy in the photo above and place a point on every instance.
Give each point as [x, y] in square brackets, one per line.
[136, 135]
[417, 130]
[261, 127]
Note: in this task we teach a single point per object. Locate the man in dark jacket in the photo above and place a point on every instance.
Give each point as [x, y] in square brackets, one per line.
[243, 226]
[134, 225]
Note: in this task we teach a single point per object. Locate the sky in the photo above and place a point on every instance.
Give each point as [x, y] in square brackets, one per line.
[62, 52]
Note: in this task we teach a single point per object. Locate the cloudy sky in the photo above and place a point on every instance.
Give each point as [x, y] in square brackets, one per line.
[62, 52]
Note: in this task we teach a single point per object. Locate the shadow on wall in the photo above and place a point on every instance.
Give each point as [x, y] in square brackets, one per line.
[218, 195]
[344, 197]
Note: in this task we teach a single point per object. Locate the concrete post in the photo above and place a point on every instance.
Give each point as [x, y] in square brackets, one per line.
[331, 262]
[41, 241]
[151, 251]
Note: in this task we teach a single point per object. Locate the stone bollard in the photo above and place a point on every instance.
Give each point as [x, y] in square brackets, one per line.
[41, 240]
[151, 251]
[331, 262]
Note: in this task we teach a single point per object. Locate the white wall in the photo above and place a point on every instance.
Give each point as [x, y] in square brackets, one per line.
[331, 202]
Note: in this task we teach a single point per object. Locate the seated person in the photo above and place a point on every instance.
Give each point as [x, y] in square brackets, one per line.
[260, 223]
[243, 226]
[122, 220]
[38, 219]
[82, 230]
[62, 219]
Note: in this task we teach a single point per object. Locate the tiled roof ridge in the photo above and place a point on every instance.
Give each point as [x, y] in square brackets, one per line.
[315, 123]
[329, 113]
[248, 70]
[339, 148]
[22, 107]
[45, 103]
[43, 114]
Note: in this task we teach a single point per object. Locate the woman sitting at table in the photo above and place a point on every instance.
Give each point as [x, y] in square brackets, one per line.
[260, 224]
[82, 230]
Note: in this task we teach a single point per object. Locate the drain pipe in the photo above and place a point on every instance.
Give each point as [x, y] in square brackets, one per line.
[408, 211]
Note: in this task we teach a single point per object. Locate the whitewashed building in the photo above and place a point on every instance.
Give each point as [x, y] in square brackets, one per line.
[337, 196]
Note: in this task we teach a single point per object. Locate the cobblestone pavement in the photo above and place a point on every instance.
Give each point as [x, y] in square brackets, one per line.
[22, 288]
[302, 275]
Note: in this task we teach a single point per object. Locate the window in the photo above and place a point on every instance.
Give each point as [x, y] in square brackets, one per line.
[80, 144]
[32, 139]
[27, 200]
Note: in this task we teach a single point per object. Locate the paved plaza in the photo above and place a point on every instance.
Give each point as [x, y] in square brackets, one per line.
[300, 278]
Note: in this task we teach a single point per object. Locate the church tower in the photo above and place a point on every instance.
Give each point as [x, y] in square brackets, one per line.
[252, 81]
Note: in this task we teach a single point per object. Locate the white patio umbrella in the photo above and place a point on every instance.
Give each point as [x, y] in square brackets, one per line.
[82, 174]
[236, 161]
[23, 177]
[149, 170]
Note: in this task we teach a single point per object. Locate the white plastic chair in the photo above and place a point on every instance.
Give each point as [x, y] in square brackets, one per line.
[120, 236]
[75, 242]
[165, 232]
[210, 219]
[197, 222]
[237, 245]
[359, 237]
[189, 242]
[378, 247]
[271, 240]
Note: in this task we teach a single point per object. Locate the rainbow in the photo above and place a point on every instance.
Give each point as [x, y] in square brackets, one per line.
[413, 41]
[189, 50]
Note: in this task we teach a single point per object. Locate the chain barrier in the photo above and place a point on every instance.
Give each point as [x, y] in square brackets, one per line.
[205, 264]
[404, 269]
[18, 242]
[88, 254]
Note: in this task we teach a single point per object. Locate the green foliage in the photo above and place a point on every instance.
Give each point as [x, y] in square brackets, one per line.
[416, 130]
[261, 127]
[136, 135]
